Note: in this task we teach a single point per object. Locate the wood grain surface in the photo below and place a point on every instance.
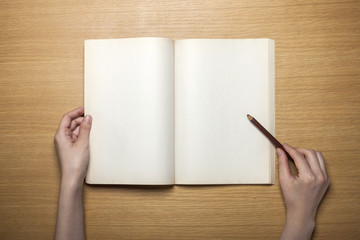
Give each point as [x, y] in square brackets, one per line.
[317, 106]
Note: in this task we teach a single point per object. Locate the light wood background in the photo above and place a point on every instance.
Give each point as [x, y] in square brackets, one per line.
[317, 106]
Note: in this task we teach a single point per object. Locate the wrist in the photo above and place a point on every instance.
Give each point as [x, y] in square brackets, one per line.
[71, 183]
[303, 218]
[298, 226]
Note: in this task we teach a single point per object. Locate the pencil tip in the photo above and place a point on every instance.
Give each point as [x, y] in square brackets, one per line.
[249, 117]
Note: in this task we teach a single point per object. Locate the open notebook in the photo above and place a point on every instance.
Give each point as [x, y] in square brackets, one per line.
[174, 112]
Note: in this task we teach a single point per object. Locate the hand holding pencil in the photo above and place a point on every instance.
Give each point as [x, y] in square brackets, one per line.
[302, 193]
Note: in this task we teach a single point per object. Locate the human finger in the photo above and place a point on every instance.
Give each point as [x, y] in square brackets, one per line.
[284, 169]
[322, 163]
[312, 159]
[75, 123]
[77, 130]
[68, 117]
[84, 129]
[299, 160]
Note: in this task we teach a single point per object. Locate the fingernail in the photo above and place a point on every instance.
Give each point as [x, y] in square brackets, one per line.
[278, 151]
[88, 119]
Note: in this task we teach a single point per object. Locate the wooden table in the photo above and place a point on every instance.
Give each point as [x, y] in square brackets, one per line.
[317, 106]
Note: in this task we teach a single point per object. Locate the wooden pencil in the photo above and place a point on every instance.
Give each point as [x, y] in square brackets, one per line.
[272, 139]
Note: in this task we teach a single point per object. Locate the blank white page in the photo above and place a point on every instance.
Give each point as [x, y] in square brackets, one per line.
[129, 93]
[217, 83]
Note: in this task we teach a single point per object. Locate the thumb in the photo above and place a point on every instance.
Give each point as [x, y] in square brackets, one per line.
[84, 130]
[284, 169]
